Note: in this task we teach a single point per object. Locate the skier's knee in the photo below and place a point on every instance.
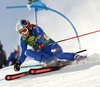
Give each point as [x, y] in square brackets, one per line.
[28, 52]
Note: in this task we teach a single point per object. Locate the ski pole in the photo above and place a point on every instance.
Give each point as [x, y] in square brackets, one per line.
[70, 38]
[81, 51]
[30, 66]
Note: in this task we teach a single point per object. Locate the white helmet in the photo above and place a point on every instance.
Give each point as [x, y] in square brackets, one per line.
[22, 24]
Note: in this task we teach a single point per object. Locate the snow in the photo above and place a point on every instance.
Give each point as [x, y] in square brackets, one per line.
[85, 73]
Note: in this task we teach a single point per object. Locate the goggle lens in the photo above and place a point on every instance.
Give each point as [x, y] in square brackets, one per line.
[23, 31]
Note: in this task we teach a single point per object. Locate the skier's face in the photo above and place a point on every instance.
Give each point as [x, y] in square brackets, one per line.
[24, 32]
[26, 35]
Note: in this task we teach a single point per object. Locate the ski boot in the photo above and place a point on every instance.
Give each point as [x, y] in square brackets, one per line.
[79, 57]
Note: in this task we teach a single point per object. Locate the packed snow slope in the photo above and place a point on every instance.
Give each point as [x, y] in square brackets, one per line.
[85, 73]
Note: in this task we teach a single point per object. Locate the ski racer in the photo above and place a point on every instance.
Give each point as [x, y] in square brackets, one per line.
[34, 36]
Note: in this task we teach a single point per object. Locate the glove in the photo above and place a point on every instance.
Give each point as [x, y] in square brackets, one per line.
[36, 46]
[17, 66]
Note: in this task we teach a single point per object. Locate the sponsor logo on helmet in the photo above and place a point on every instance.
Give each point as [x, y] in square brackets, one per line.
[19, 27]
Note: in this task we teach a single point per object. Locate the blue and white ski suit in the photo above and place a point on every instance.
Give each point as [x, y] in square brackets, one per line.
[45, 53]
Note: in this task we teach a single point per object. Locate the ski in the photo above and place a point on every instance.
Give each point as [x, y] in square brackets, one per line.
[15, 76]
[51, 67]
[48, 68]
[43, 70]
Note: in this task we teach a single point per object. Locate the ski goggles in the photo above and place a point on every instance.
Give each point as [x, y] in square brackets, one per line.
[23, 31]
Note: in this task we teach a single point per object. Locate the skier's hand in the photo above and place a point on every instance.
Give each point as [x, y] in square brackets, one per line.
[36, 46]
[17, 66]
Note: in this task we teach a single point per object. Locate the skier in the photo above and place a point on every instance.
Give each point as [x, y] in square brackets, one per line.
[34, 36]
[14, 56]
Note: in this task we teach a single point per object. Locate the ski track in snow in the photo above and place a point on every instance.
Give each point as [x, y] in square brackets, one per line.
[86, 73]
